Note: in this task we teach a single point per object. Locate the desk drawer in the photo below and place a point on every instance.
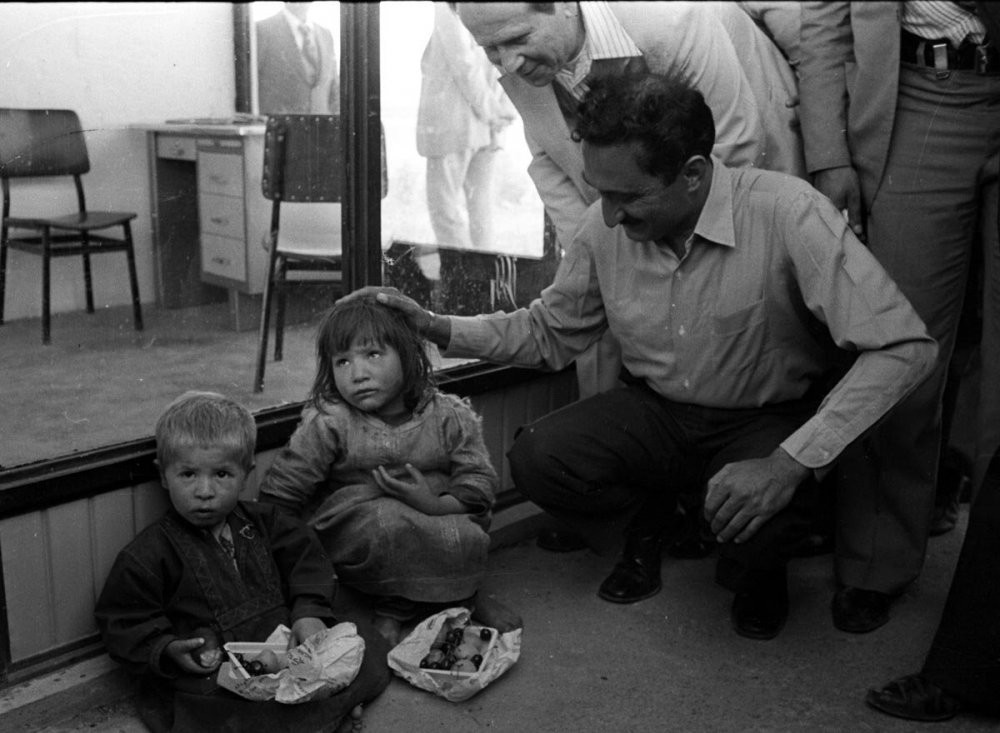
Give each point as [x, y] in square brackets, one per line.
[223, 257]
[175, 147]
[222, 215]
[220, 173]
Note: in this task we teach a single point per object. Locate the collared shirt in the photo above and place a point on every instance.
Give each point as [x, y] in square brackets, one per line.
[937, 19]
[747, 317]
[604, 38]
[296, 25]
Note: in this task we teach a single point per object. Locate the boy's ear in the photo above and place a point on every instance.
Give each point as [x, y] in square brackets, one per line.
[159, 468]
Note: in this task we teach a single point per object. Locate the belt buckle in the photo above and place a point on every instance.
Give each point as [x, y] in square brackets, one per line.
[982, 66]
[941, 59]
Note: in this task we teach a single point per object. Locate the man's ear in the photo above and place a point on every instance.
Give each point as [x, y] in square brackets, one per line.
[694, 170]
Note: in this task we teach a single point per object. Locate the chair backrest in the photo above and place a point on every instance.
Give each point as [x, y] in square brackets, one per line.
[303, 158]
[41, 142]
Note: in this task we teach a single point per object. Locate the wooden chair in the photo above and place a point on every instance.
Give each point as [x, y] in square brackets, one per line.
[37, 143]
[303, 156]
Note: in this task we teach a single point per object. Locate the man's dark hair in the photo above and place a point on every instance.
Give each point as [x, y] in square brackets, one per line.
[665, 114]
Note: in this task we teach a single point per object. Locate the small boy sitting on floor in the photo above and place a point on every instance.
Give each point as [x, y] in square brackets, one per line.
[215, 569]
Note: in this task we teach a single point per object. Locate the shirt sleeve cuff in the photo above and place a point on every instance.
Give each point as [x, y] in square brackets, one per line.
[815, 445]
[468, 337]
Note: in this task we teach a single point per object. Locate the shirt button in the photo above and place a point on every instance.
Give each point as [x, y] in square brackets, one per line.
[687, 384]
[681, 331]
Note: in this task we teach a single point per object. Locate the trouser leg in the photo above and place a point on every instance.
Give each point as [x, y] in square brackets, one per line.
[479, 188]
[756, 435]
[598, 459]
[964, 658]
[988, 423]
[922, 227]
[446, 199]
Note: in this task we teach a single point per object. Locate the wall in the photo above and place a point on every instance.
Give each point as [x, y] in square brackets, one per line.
[115, 64]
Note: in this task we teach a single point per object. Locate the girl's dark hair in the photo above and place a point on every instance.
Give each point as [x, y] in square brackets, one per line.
[664, 114]
[369, 321]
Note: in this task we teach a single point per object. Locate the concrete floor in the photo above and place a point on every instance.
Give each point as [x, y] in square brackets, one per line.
[670, 663]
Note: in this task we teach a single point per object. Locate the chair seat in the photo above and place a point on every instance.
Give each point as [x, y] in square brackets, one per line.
[311, 255]
[83, 222]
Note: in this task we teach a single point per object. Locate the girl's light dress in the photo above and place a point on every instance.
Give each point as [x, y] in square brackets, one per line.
[378, 544]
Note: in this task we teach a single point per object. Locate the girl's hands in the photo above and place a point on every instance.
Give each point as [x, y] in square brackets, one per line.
[414, 490]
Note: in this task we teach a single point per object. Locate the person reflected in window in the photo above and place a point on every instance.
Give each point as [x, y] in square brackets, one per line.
[461, 115]
[297, 67]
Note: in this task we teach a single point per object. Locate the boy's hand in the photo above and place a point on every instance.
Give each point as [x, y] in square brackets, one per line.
[179, 652]
[303, 628]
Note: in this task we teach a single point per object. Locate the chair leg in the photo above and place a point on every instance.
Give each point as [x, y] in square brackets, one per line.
[265, 318]
[279, 309]
[88, 280]
[3, 270]
[46, 271]
[133, 279]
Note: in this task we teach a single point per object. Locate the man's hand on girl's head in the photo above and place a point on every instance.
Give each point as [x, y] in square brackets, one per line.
[433, 327]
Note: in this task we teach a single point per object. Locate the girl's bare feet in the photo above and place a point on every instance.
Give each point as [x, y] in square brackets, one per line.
[351, 723]
[490, 612]
[390, 628]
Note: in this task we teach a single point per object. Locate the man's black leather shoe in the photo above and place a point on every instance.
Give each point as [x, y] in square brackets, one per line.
[692, 548]
[637, 574]
[559, 540]
[761, 612]
[860, 611]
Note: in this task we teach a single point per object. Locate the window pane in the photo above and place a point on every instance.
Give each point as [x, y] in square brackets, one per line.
[462, 220]
[200, 228]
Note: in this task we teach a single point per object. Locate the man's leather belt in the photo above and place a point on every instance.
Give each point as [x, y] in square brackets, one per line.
[940, 55]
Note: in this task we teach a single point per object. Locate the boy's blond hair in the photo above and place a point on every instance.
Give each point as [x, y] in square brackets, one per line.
[200, 419]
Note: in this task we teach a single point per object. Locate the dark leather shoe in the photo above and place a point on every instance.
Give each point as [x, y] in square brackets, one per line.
[692, 548]
[814, 544]
[637, 574]
[914, 698]
[761, 613]
[859, 611]
[559, 540]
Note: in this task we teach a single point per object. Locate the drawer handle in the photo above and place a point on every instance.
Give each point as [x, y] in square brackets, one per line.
[219, 220]
[220, 260]
[219, 179]
[178, 150]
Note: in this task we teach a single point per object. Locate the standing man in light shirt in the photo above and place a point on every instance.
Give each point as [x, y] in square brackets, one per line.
[901, 120]
[297, 66]
[732, 292]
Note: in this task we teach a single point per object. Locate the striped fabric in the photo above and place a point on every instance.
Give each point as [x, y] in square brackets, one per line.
[605, 39]
[942, 19]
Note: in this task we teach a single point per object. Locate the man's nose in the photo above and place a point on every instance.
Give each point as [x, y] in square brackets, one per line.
[510, 60]
[611, 212]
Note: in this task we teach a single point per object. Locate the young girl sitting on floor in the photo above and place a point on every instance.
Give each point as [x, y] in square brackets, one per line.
[391, 472]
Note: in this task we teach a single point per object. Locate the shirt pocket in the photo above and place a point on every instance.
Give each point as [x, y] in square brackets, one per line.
[739, 321]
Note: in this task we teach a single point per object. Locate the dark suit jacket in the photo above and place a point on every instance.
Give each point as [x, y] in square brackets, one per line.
[282, 82]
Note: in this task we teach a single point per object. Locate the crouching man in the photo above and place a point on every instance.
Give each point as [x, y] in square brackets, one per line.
[759, 339]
